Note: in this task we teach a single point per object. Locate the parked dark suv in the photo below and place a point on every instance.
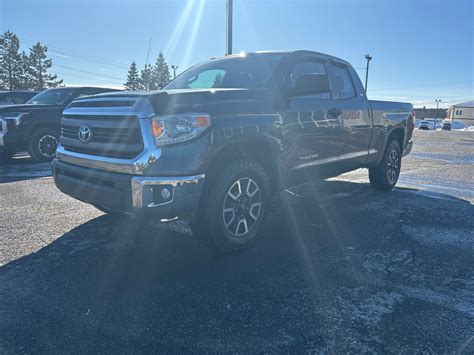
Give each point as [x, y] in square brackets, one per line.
[446, 126]
[35, 126]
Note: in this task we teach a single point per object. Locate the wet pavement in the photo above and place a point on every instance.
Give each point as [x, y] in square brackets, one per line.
[340, 268]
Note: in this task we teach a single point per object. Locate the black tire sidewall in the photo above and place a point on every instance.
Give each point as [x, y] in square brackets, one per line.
[33, 144]
[243, 168]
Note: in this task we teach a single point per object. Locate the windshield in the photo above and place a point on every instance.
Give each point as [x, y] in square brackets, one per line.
[243, 72]
[52, 97]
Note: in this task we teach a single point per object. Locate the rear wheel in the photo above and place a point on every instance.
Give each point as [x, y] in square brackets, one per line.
[384, 177]
[43, 144]
[234, 206]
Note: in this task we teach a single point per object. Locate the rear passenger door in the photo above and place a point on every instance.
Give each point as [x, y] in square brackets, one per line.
[311, 122]
[355, 114]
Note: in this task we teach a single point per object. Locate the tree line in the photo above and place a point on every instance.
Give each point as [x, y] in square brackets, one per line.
[20, 70]
[24, 71]
[151, 77]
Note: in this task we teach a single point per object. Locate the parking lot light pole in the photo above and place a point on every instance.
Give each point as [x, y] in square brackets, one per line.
[437, 112]
[174, 67]
[369, 58]
[230, 5]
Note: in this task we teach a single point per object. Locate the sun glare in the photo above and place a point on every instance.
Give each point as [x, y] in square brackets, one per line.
[194, 31]
[179, 28]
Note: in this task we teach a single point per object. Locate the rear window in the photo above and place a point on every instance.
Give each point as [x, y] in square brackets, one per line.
[308, 67]
[344, 83]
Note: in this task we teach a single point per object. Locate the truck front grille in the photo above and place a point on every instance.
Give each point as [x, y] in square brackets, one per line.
[110, 136]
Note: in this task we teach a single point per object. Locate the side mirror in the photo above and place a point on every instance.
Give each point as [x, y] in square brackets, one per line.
[310, 84]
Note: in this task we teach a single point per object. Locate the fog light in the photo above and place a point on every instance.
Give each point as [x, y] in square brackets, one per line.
[162, 194]
[165, 194]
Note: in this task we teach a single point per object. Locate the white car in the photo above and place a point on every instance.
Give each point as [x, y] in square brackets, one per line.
[426, 125]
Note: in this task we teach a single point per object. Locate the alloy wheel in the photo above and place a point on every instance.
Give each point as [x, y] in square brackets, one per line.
[47, 146]
[242, 207]
[393, 166]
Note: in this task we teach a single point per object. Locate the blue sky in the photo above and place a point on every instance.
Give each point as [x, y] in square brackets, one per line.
[423, 49]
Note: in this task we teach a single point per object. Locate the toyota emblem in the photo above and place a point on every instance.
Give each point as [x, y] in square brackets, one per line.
[85, 134]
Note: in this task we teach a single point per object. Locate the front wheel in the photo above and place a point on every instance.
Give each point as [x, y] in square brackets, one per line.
[385, 176]
[43, 144]
[234, 206]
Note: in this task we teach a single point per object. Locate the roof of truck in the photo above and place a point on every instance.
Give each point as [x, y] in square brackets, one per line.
[241, 54]
[297, 51]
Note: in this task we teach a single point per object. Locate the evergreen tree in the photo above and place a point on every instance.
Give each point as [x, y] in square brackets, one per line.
[217, 82]
[161, 72]
[25, 81]
[10, 61]
[38, 70]
[146, 78]
[133, 78]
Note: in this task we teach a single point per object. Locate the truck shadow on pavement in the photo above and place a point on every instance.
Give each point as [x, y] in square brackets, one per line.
[22, 167]
[340, 267]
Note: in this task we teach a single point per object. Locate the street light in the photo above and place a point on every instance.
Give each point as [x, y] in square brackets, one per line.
[229, 26]
[369, 58]
[437, 112]
[174, 67]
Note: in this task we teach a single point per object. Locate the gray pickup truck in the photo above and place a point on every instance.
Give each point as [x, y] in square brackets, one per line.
[221, 139]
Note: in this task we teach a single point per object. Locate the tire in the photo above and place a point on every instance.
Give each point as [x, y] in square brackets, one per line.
[234, 207]
[43, 144]
[384, 177]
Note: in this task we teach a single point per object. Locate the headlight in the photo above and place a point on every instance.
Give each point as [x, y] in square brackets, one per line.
[178, 128]
[15, 116]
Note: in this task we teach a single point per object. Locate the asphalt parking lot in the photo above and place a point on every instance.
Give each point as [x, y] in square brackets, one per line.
[340, 268]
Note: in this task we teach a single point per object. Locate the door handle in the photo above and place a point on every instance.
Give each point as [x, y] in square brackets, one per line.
[335, 112]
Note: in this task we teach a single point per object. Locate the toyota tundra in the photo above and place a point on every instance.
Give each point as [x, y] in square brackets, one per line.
[226, 135]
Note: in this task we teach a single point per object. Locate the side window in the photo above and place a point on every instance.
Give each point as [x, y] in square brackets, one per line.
[18, 99]
[314, 69]
[9, 99]
[344, 83]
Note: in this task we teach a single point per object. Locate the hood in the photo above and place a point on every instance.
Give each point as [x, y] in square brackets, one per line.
[213, 101]
[165, 102]
[29, 108]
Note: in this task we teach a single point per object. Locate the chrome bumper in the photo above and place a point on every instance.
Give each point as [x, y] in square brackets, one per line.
[133, 195]
[142, 194]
